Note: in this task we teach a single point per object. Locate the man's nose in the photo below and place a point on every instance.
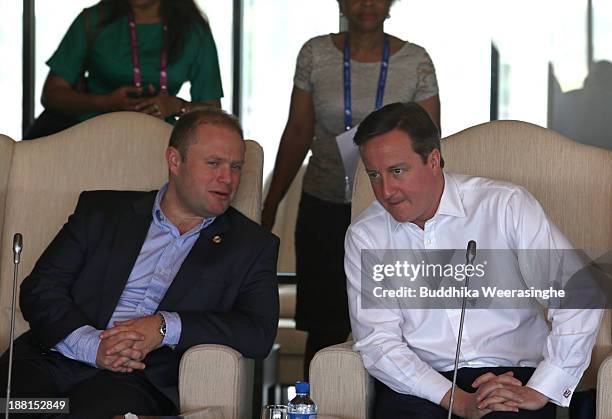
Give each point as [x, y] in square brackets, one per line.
[225, 174]
[387, 187]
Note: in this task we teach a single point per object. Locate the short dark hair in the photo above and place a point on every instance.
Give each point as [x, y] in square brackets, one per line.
[183, 134]
[409, 117]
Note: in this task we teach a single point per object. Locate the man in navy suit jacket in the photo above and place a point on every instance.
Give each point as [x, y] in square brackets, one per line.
[134, 279]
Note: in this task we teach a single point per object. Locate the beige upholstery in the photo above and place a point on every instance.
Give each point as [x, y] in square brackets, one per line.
[570, 180]
[338, 369]
[604, 390]
[214, 412]
[7, 146]
[230, 370]
[40, 182]
[292, 341]
[284, 224]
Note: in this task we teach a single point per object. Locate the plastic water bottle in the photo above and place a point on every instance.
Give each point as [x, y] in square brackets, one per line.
[302, 406]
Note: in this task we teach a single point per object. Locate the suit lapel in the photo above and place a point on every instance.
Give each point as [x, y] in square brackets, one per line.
[195, 264]
[132, 228]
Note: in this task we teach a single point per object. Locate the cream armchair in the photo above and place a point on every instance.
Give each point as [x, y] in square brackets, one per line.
[292, 341]
[570, 180]
[39, 185]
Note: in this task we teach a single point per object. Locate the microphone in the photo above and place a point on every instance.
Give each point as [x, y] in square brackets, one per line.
[470, 255]
[17, 248]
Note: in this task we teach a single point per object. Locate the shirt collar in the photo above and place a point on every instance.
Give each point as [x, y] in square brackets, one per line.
[161, 221]
[450, 202]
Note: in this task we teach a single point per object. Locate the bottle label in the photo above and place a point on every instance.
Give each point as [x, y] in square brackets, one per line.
[302, 416]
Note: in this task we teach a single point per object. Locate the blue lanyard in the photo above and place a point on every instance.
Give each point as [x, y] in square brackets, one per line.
[382, 79]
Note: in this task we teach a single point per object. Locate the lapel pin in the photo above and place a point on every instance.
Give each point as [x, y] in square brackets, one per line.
[216, 239]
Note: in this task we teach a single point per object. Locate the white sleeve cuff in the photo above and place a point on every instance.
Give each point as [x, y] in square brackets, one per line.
[554, 383]
[432, 386]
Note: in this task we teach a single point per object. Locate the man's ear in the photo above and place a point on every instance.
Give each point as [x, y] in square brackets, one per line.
[434, 159]
[173, 158]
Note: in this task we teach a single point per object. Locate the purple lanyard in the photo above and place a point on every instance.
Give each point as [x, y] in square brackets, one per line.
[163, 61]
[382, 79]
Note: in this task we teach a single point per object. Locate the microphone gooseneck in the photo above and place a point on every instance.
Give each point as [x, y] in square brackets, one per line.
[470, 255]
[17, 248]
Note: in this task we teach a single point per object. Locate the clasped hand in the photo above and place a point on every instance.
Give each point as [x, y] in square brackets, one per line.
[129, 98]
[124, 346]
[500, 393]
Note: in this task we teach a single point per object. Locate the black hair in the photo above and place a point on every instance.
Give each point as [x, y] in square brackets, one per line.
[183, 134]
[181, 16]
[409, 117]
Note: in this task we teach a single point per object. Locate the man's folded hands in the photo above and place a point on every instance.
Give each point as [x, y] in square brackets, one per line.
[124, 346]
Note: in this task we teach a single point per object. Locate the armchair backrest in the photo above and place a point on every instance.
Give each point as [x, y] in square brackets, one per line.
[7, 146]
[118, 151]
[284, 224]
[571, 181]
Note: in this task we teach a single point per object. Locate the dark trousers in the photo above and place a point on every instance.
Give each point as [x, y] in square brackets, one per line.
[92, 392]
[390, 404]
[321, 304]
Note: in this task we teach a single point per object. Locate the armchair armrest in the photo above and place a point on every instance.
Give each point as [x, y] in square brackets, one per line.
[340, 385]
[216, 376]
[604, 389]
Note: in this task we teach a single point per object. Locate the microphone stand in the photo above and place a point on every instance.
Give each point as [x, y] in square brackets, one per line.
[17, 247]
[469, 258]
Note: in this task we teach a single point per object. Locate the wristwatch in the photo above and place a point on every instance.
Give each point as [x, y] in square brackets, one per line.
[162, 326]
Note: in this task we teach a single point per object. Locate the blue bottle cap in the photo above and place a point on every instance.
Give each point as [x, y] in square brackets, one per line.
[302, 387]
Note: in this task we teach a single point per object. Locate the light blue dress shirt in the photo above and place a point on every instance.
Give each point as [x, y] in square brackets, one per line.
[160, 258]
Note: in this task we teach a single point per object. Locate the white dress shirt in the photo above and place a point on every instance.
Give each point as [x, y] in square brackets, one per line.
[405, 348]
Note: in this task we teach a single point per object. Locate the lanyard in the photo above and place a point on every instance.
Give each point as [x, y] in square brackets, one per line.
[382, 79]
[163, 61]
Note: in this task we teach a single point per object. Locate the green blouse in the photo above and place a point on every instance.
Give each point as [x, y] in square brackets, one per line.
[110, 58]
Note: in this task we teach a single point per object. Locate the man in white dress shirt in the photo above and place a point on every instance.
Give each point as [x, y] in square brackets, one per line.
[511, 364]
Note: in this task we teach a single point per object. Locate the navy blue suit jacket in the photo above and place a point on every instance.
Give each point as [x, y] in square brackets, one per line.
[225, 293]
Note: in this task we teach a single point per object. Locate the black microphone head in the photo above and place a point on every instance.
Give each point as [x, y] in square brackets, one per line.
[471, 251]
[472, 247]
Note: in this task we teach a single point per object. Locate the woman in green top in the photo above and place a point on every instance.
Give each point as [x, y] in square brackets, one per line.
[138, 54]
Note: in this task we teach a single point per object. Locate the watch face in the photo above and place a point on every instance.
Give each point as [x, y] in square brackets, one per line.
[162, 326]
